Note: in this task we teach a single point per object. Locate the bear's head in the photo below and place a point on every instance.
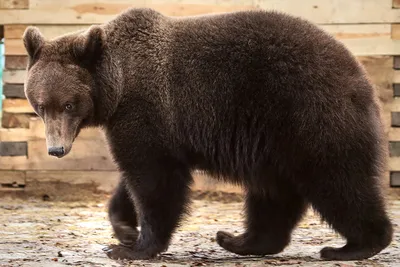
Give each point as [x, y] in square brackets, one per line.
[60, 83]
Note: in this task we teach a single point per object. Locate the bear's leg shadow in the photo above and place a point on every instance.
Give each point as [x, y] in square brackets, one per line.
[270, 220]
[122, 215]
[161, 198]
[354, 208]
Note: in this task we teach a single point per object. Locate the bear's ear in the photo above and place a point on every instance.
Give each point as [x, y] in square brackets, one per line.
[89, 46]
[33, 40]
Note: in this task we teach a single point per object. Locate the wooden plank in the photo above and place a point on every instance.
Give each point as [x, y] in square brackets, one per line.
[396, 76]
[88, 12]
[36, 131]
[396, 62]
[49, 31]
[14, 47]
[85, 155]
[105, 181]
[17, 106]
[13, 149]
[14, 76]
[394, 134]
[14, 91]
[102, 12]
[368, 39]
[16, 62]
[394, 149]
[395, 119]
[12, 177]
[395, 34]
[394, 164]
[14, 4]
[396, 89]
[395, 179]
[15, 120]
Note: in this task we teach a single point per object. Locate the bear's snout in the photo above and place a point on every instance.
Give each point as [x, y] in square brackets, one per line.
[56, 151]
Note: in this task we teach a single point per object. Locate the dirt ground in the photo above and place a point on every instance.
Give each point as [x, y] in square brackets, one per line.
[34, 232]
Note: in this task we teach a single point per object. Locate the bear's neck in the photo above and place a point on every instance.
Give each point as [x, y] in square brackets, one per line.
[108, 79]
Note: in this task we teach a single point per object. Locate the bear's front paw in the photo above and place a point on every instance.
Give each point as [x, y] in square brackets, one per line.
[122, 252]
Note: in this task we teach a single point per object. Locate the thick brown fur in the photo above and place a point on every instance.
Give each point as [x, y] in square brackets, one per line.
[261, 99]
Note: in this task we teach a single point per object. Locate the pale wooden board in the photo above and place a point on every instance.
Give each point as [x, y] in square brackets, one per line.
[395, 33]
[85, 155]
[16, 62]
[396, 76]
[394, 163]
[361, 40]
[102, 12]
[105, 181]
[36, 131]
[394, 134]
[14, 76]
[395, 105]
[49, 31]
[10, 177]
[15, 120]
[14, 4]
[87, 12]
[17, 106]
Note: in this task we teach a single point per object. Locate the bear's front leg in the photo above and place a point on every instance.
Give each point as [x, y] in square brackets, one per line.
[160, 195]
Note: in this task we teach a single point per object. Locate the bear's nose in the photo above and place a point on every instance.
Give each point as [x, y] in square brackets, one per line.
[57, 151]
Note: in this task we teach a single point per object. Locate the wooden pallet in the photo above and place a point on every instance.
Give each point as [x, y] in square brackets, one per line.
[370, 29]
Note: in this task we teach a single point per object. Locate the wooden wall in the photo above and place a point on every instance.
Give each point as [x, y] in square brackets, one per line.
[369, 28]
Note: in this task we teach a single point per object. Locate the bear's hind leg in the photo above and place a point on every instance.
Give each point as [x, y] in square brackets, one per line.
[122, 215]
[354, 207]
[269, 223]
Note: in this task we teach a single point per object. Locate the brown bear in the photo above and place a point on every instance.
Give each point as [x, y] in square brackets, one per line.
[257, 98]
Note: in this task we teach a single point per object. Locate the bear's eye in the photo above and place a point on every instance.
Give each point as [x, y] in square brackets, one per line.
[68, 106]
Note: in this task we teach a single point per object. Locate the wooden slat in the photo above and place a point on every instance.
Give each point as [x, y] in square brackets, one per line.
[395, 31]
[15, 120]
[101, 12]
[396, 62]
[13, 149]
[103, 180]
[394, 163]
[395, 119]
[49, 31]
[36, 131]
[14, 91]
[85, 155]
[368, 39]
[396, 76]
[396, 89]
[14, 4]
[14, 76]
[395, 179]
[14, 47]
[88, 12]
[395, 105]
[12, 177]
[16, 62]
[394, 134]
[17, 106]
